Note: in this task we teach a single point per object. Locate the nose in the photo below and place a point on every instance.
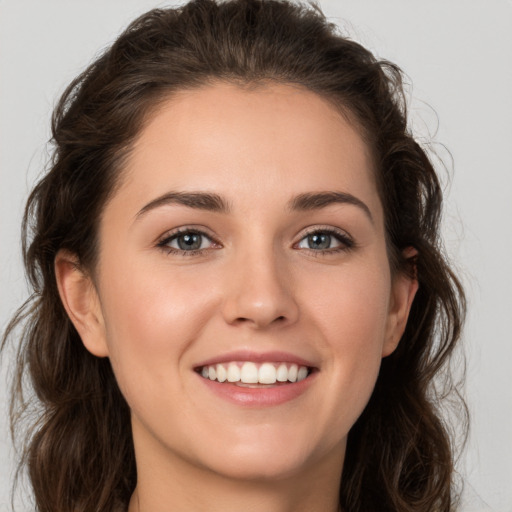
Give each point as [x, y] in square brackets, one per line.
[260, 292]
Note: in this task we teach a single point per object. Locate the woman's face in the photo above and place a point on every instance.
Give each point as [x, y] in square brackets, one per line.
[246, 241]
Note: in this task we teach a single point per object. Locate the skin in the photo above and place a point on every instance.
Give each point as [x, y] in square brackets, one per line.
[257, 285]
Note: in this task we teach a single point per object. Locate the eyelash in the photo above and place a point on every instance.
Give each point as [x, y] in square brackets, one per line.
[346, 242]
[169, 237]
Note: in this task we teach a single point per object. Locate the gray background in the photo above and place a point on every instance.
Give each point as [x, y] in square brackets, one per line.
[458, 54]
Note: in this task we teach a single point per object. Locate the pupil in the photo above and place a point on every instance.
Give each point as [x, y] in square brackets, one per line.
[319, 241]
[189, 241]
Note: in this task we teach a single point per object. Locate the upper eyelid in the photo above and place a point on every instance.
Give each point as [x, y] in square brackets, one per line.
[325, 229]
[172, 233]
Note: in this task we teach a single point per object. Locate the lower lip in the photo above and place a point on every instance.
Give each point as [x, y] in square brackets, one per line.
[259, 397]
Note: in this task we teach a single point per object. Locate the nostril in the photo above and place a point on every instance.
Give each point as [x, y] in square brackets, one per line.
[279, 319]
[249, 306]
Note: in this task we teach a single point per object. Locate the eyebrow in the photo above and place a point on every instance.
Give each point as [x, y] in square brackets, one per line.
[318, 200]
[215, 203]
[198, 200]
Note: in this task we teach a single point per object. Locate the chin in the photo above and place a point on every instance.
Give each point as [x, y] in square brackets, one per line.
[261, 468]
[280, 458]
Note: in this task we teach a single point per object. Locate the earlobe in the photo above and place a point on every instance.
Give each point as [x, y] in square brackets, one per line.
[81, 302]
[404, 288]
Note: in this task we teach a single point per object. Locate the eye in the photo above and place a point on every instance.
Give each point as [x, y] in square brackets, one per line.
[186, 241]
[325, 240]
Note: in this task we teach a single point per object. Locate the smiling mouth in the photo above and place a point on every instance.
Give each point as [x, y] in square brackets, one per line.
[250, 374]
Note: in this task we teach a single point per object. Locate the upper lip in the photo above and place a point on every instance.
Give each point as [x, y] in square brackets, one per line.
[274, 356]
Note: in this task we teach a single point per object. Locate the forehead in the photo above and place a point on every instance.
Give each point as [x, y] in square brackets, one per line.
[272, 140]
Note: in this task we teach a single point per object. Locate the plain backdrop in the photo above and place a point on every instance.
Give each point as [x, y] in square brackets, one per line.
[458, 55]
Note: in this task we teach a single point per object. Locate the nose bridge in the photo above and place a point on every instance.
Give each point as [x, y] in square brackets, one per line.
[260, 289]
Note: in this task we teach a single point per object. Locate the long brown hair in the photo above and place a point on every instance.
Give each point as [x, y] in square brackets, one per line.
[79, 450]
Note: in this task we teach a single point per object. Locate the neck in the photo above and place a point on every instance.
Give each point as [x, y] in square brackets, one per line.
[176, 484]
[247, 496]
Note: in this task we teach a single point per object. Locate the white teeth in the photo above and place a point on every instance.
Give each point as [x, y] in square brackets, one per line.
[233, 372]
[302, 374]
[282, 373]
[292, 373]
[252, 373]
[249, 373]
[267, 374]
[221, 373]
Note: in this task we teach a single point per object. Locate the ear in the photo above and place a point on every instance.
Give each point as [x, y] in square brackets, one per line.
[81, 302]
[403, 291]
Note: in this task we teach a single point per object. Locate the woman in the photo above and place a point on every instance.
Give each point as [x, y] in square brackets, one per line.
[240, 296]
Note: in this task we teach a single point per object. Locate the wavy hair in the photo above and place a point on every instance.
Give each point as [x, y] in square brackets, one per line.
[78, 450]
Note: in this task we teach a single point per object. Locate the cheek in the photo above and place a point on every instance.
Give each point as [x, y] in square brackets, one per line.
[352, 305]
[151, 318]
[352, 318]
